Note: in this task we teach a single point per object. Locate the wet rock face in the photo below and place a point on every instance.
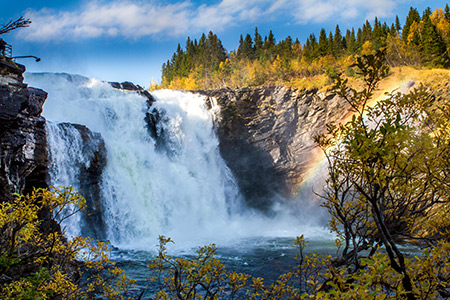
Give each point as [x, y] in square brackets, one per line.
[266, 137]
[23, 156]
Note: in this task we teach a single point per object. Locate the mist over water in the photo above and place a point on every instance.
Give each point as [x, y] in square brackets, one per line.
[178, 185]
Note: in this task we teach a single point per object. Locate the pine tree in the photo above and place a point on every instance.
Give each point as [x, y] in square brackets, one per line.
[330, 49]
[359, 39]
[216, 53]
[246, 49]
[393, 30]
[269, 46]
[284, 48]
[434, 48]
[258, 43]
[447, 12]
[397, 24]
[322, 47]
[310, 50]
[413, 16]
[269, 43]
[366, 32]
[377, 36]
[338, 44]
[426, 13]
[350, 41]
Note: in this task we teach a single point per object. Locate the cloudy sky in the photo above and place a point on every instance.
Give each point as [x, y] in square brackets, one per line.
[119, 40]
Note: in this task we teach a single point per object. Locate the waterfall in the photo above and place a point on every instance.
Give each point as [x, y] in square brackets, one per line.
[65, 156]
[181, 188]
[164, 179]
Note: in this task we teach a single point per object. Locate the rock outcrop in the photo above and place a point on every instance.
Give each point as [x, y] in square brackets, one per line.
[129, 86]
[266, 137]
[23, 152]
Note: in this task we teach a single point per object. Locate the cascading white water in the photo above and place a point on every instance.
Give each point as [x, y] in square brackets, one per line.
[65, 156]
[184, 188]
[180, 187]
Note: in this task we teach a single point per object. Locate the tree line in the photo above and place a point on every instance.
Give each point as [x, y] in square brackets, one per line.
[423, 40]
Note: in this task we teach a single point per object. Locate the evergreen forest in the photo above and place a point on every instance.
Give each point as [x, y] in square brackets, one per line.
[421, 40]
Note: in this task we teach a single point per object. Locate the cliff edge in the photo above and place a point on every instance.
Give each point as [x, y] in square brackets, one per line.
[23, 152]
[266, 137]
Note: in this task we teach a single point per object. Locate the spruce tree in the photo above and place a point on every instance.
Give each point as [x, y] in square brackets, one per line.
[330, 49]
[310, 49]
[284, 48]
[397, 24]
[434, 48]
[377, 36]
[413, 16]
[359, 39]
[269, 46]
[366, 32]
[426, 13]
[393, 30]
[246, 50]
[350, 41]
[322, 47]
[338, 45]
[216, 53]
[269, 43]
[258, 43]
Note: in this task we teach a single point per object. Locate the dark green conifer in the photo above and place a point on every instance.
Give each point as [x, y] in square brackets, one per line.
[434, 48]
[447, 12]
[269, 43]
[426, 12]
[378, 37]
[322, 47]
[393, 30]
[330, 49]
[413, 16]
[258, 42]
[310, 49]
[366, 32]
[359, 39]
[350, 41]
[397, 24]
[284, 48]
[338, 43]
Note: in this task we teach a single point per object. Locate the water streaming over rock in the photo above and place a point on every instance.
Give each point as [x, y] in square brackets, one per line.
[168, 180]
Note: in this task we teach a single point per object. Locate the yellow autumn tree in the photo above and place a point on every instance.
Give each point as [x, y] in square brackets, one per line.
[38, 262]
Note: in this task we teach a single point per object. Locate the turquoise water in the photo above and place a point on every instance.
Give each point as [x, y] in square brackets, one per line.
[259, 257]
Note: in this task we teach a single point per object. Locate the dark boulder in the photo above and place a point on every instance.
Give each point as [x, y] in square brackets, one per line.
[129, 86]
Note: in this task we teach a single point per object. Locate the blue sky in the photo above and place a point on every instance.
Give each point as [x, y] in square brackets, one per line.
[123, 40]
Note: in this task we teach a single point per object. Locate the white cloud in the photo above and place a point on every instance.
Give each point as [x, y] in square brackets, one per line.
[317, 11]
[135, 19]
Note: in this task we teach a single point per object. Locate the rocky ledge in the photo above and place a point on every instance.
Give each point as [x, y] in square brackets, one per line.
[266, 137]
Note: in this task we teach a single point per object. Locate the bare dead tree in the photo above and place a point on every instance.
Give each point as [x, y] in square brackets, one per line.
[11, 25]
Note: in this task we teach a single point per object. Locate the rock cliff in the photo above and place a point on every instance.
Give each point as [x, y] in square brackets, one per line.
[23, 152]
[266, 137]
